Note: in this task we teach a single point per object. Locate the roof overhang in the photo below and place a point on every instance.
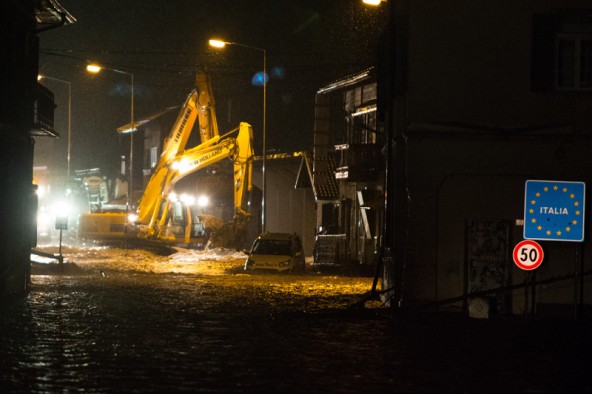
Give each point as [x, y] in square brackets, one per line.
[49, 14]
[348, 81]
[304, 177]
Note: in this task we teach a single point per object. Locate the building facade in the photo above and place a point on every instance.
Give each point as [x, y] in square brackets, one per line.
[346, 174]
[476, 99]
[26, 111]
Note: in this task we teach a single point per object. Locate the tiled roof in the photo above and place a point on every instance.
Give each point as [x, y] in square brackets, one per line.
[325, 183]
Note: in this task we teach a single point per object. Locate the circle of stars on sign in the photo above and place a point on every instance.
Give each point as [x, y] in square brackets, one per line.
[572, 222]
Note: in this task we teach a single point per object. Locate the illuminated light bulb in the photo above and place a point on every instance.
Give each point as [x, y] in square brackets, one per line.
[203, 201]
[93, 68]
[372, 2]
[217, 43]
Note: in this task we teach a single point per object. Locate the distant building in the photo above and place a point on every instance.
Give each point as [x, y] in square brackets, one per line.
[289, 208]
[476, 99]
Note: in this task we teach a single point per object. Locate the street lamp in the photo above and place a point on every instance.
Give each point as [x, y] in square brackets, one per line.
[215, 43]
[41, 77]
[94, 68]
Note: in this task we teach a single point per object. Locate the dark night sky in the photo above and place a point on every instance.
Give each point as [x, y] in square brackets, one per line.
[309, 44]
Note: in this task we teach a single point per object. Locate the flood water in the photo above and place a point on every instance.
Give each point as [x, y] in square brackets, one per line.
[127, 331]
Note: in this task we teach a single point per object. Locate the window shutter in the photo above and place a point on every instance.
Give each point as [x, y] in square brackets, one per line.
[544, 30]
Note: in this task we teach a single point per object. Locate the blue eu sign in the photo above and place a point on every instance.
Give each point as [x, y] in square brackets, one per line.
[554, 210]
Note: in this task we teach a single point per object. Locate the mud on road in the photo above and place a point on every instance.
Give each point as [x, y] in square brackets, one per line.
[220, 268]
[124, 320]
[120, 320]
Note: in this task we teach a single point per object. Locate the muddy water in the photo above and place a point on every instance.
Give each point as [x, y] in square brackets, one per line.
[142, 332]
[138, 332]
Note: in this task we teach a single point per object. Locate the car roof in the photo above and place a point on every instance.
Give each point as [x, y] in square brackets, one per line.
[278, 236]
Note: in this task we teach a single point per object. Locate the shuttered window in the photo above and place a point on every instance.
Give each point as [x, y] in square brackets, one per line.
[562, 52]
[574, 62]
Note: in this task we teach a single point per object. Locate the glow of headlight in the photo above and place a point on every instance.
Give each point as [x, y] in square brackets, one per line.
[43, 219]
[41, 191]
[132, 218]
[173, 197]
[61, 209]
[181, 166]
[187, 199]
[203, 201]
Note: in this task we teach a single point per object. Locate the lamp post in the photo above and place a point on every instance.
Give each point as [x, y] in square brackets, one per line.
[215, 43]
[94, 68]
[41, 77]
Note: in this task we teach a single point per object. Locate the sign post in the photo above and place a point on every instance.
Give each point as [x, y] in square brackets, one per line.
[61, 224]
[553, 211]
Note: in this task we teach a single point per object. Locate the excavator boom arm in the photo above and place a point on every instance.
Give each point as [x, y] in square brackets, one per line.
[208, 125]
[198, 105]
[239, 149]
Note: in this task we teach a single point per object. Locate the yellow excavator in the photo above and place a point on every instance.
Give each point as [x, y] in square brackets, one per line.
[161, 215]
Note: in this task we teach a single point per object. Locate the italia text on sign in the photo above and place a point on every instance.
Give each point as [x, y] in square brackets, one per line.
[554, 210]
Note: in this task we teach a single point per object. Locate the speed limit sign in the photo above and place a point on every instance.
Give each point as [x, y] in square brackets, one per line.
[528, 255]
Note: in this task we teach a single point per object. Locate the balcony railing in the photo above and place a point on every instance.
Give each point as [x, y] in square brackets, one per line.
[359, 162]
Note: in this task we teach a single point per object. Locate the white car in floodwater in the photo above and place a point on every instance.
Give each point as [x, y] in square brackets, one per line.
[280, 252]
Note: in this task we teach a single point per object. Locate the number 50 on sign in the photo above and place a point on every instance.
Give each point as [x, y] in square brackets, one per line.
[528, 255]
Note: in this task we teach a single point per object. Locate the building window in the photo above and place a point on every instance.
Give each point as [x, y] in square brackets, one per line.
[153, 157]
[362, 126]
[360, 106]
[562, 52]
[574, 62]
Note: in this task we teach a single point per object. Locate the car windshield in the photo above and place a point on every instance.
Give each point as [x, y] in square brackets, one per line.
[272, 246]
